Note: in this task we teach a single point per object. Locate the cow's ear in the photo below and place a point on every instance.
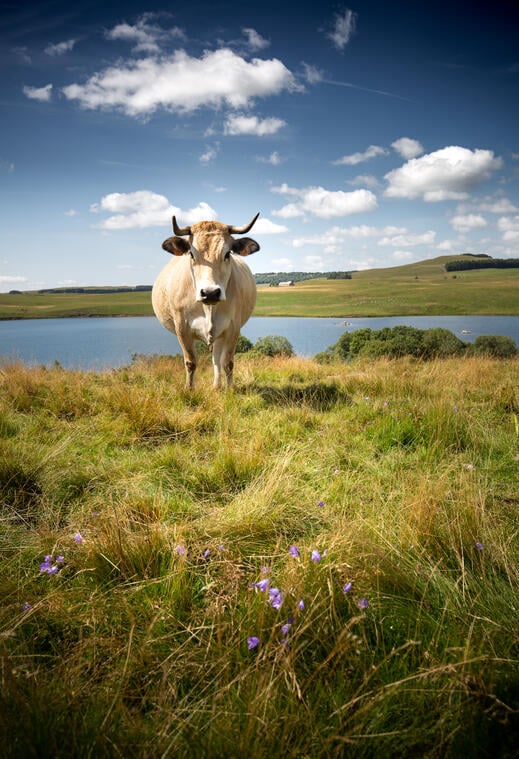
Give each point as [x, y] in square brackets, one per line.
[177, 246]
[245, 246]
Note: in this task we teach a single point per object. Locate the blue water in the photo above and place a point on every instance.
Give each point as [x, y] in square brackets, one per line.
[103, 343]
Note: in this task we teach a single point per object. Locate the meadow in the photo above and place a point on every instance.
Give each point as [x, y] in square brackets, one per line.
[423, 288]
[321, 563]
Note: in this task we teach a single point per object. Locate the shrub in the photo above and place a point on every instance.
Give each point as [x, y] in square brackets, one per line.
[498, 346]
[244, 345]
[273, 345]
[440, 343]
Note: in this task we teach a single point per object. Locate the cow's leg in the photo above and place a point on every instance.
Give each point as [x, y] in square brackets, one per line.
[188, 349]
[223, 361]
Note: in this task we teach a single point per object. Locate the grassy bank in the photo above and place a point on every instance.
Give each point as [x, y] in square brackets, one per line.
[140, 525]
[423, 288]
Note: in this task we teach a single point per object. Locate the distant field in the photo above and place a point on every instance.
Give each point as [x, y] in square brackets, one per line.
[423, 288]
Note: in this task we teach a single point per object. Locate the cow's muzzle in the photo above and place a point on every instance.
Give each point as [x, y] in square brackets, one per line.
[211, 295]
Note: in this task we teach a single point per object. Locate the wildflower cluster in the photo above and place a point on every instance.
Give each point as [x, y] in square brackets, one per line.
[275, 596]
[50, 566]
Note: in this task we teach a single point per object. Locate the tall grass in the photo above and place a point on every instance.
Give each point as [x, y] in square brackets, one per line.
[160, 511]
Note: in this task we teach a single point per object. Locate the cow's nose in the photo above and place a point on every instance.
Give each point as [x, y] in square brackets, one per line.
[210, 294]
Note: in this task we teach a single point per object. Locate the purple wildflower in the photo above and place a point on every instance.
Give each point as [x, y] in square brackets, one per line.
[363, 603]
[180, 550]
[78, 538]
[301, 605]
[262, 584]
[285, 629]
[316, 556]
[26, 607]
[206, 553]
[47, 567]
[321, 504]
[275, 598]
[221, 547]
[265, 570]
[347, 587]
[252, 642]
[60, 559]
[479, 545]
[294, 551]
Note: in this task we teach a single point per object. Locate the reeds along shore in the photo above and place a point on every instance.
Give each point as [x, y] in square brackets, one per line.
[321, 563]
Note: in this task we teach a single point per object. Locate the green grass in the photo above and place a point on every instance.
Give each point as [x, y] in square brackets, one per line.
[424, 288]
[394, 471]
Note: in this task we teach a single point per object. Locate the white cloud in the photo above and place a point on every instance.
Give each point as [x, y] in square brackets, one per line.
[368, 180]
[7, 280]
[499, 206]
[335, 236]
[510, 228]
[409, 240]
[60, 48]
[210, 153]
[267, 227]
[344, 26]
[323, 203]
[144, 208]
[312, 74]
[407, 148]
[274, 159]
[467, 222]
[71, 212]
[255, 40]
[446, 174]
[145, 34]
[352, 160]
[43, 94]
[182, 83]
[240, 124]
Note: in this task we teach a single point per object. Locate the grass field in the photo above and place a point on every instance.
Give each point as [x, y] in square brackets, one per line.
[423, 288]
[322, 563]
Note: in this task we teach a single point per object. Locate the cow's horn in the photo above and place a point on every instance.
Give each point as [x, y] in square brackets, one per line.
[180, 230]
[243, 230]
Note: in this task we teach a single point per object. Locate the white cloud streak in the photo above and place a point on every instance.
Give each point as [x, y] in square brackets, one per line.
[183, 83]
[352, 160]
[240, 124]
[60, 48]
[407, 147]
[146, 35]
[323, 203]
[467, 222]
[255, 40]
[344, 27]
[446, 174]
[143, 208]
[43, 94]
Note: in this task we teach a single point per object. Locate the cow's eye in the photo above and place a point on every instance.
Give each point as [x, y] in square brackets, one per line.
[227, 255]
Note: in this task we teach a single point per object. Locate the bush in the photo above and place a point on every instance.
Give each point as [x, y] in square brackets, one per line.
[394, 342]
[273, 345]
[244, 345]
[497, 346]
[440, 343]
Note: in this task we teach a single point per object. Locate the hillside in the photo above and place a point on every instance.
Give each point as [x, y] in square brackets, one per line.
[422, 288]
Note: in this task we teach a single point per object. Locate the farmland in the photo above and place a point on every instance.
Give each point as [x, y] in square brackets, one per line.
[423, 288]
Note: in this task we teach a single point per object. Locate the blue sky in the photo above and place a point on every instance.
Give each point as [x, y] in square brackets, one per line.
[367, 134]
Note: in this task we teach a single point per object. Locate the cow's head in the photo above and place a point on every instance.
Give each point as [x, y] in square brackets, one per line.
[210, 246]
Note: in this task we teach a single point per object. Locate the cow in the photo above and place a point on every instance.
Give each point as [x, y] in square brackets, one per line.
[206, 292]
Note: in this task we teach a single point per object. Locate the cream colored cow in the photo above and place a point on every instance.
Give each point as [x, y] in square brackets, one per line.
[206, 292]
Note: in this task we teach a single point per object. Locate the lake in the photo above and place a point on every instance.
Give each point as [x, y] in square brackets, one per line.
[103, 343]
